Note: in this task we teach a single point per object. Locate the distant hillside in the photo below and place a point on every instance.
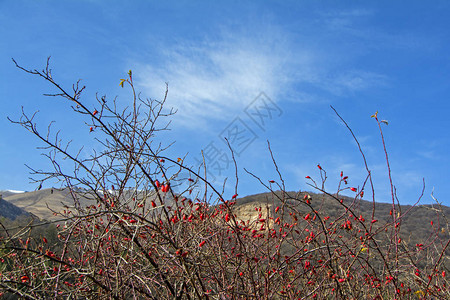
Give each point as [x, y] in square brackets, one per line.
[416, 225]
[10, 211]
[41, 203]
[7, 193]
[45, 202]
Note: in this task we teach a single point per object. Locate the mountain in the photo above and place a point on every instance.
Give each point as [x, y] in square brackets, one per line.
[10, 211]
[7, 193]
[44, 202]
[420, 223]
[415, 225]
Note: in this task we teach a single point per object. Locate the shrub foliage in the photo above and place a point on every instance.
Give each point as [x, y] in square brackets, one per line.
[147, 235]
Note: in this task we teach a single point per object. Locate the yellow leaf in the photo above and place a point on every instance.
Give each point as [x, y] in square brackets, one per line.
[122, 81]
[374, 115]
[179, 159]
[419, 293]
[129, 73]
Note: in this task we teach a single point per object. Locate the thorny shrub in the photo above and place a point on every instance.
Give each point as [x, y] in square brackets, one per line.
[139, 239]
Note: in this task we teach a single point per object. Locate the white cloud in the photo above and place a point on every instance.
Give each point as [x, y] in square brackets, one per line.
[217, 78]
[355, 80]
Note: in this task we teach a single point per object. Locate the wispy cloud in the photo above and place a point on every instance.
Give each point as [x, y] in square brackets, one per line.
[430, 148]
[215, 77]
[354, 81]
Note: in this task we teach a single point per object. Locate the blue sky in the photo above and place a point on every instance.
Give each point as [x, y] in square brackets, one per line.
[223, 60]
